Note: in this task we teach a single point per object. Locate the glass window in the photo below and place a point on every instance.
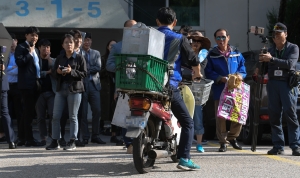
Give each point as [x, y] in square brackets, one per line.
[146, 10]
[187, 12]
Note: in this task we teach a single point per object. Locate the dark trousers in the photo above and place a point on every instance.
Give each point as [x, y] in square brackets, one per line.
[6, 120]
[15, 104]
[187, 124]
[45, 105]
[127, 140]
[29, 98]
[282, 98]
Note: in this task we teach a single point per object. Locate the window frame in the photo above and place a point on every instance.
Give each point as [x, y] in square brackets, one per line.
[201, 15]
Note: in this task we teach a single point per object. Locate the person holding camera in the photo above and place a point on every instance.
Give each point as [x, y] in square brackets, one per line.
[281, 59]
[69, 71]
[223, 60]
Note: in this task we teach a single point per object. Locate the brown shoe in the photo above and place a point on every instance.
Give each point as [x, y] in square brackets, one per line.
[129, 149]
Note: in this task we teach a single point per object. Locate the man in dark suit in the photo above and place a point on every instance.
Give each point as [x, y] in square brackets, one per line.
[91, 94]
[29, 65]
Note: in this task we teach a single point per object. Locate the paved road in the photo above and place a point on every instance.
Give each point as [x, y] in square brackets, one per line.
[109, 160]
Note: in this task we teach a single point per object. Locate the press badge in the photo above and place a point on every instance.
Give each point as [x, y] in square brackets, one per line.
[278, 73]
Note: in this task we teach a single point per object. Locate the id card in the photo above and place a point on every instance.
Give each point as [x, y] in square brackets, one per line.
[278, 73]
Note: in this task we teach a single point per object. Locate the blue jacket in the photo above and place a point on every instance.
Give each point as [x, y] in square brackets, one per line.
[178, 49]
[217, 67]
[111, 61]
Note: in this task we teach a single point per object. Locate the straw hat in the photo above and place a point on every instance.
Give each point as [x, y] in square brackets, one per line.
[205, 42]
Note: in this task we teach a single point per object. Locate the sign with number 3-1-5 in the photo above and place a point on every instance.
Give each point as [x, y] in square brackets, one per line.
[63, 13]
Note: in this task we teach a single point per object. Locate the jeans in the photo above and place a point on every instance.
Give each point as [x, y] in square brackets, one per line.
[73, 101]
[198, 120]
[282, 98]
[44, 103]
[127, 140]
[92, 96]
[187, 124]
[6, 120]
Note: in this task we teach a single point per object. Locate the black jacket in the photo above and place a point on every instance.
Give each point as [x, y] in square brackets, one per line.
[26, 69]
[78, 72]
[287, 62]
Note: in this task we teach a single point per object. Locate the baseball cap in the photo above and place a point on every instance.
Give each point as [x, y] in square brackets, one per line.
[279, 27]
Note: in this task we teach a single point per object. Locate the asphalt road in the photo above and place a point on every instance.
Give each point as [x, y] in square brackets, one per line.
[109, 160]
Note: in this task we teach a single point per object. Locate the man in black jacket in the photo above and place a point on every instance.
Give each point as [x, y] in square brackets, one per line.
[29, 64]
[281, 60]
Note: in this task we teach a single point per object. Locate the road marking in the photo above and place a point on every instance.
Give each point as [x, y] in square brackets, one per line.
[275, 157]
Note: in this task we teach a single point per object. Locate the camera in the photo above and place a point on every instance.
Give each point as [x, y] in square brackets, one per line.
[257, 30]
[2, 49]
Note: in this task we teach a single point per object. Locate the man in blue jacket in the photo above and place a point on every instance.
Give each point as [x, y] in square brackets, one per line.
[281, 59]
[179, 52]
[223, 60]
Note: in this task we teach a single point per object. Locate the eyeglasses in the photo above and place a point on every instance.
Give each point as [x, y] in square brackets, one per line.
[278, 28]
[221, 38]
[196, 41]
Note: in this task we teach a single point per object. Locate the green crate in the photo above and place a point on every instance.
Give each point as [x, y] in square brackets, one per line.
[138, 72]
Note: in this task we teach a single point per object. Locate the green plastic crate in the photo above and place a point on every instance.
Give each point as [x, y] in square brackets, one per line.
[138, 72]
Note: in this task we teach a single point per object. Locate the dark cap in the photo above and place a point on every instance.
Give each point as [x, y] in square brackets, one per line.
[88, 35]
[279, 27]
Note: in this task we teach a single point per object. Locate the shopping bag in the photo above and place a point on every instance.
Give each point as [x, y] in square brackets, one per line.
[122, 110]
[234, 104]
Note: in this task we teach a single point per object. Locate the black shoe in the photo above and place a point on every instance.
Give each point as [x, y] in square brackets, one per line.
[275, 151]
[53, 146]
[235, 145]
[296, 152]
[3, 139]
[21, 143]
[33, 143]
[97, 140]
[79, 143]
[12, 145]
[62, 142]
[86, 141]
[70, 146]
[114, 139]
[43, 142]
[223, 148]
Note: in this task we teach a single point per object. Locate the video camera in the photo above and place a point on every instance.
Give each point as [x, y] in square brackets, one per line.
[260, 31]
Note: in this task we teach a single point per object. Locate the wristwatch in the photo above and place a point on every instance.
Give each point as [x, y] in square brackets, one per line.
[272, 59]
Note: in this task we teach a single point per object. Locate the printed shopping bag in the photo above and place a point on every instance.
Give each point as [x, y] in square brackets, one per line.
[234, 104]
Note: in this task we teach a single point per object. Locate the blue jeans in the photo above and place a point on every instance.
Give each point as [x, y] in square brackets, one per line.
[198, 121]
[282, 98]
[73, 100]
[187, 124]
[127, 140]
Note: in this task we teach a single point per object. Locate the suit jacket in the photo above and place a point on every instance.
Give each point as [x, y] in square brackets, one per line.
[95, 67]
[27, 71]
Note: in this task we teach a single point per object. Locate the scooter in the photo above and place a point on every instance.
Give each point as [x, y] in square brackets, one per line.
[156, 133]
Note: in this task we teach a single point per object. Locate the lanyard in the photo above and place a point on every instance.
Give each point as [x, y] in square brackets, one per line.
[280, 53]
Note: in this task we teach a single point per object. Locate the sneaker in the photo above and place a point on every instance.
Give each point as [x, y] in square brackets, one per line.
[53, 146]
[296, 152]
[62, 142]
[199, 148]
[187, 165]
[275, 151]
[70, 146]
[78, 143]
[204, 142]
[129, 149]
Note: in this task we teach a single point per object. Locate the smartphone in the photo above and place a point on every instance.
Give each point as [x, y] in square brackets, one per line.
[61, 67]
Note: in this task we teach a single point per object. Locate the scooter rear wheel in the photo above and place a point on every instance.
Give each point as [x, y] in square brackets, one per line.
[140, 158]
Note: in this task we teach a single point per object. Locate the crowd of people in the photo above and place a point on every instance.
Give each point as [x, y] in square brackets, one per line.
[61, 88]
